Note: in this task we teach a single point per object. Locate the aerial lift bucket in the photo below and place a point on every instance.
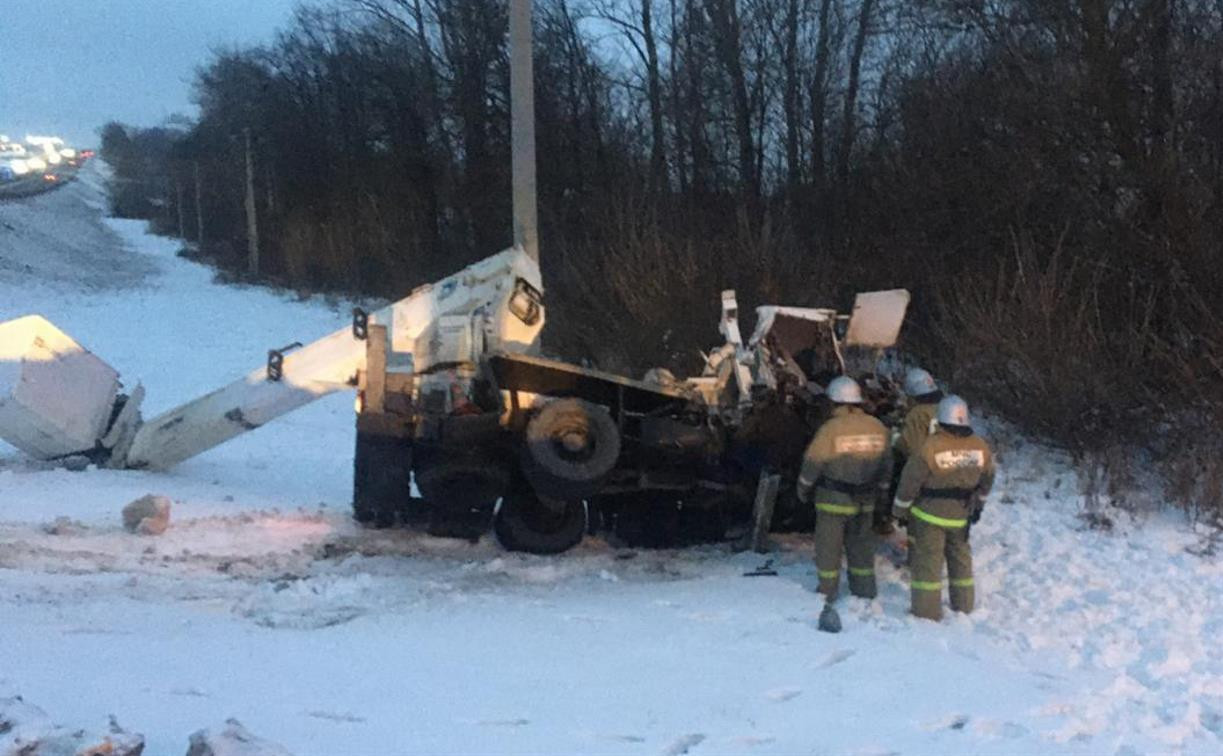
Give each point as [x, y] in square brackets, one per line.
[56, 397]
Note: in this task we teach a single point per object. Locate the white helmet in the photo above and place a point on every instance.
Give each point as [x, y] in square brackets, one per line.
[953, 411]
[844, 390]
[919, 383]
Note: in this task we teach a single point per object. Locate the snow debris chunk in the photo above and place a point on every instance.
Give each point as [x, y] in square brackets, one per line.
[26, 730]
[148, 515]
[76, 463]
[22, 726]
[65, 526]
[232, 740]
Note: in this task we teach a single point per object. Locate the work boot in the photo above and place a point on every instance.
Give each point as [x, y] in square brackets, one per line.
[830, 621]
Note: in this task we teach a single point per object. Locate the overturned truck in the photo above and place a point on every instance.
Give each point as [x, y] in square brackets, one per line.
[462, 423]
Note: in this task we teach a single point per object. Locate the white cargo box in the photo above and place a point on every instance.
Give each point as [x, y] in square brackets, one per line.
[55, 397]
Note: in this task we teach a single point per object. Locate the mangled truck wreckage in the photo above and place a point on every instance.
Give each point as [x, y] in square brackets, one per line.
[454, 395]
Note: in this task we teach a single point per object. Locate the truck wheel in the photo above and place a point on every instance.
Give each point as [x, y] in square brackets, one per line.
[382, 483]
[571, 446]
[524, 522]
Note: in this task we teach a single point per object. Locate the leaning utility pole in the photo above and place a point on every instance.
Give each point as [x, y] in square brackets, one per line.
[252, 224]
[522, 128]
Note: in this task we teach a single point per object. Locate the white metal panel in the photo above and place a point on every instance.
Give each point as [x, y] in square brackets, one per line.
[486, 284]
[877, 318]
[55, 396]
[449, 341]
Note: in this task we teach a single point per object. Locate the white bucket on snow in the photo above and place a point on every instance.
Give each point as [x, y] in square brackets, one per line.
[55, 396]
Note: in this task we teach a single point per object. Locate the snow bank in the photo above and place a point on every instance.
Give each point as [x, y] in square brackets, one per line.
[232, 740]
[26, 730]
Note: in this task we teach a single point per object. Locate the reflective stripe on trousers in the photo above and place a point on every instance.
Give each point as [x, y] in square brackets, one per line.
[937, 585]
[846, 510]
[942, 522]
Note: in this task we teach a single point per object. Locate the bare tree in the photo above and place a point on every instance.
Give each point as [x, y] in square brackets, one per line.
[725, 23]
[849, 122]
[639, 31]
[819, 104]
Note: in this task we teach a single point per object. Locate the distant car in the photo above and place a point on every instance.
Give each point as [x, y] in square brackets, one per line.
[12, 168]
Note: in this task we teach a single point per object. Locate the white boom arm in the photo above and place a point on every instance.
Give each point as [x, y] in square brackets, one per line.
[324, 366]
[499, 297]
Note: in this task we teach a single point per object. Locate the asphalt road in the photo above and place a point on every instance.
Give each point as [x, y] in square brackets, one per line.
[29, 186]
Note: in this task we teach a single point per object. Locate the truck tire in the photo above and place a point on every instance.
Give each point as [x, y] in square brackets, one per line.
[523, 522]
[382, 478]
[571, 446]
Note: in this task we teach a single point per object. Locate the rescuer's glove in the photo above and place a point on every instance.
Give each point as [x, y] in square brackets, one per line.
[900, 511]
[978, 506]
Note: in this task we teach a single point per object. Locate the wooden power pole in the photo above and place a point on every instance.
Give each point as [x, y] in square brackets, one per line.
[252, 223]
[522, 128]
[199, 209]
[178, 205]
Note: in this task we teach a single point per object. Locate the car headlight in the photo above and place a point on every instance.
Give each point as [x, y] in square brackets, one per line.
[20, 167]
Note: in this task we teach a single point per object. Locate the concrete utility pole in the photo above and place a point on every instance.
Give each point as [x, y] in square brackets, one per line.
[522, 127]
[199, 208]
[252, 224]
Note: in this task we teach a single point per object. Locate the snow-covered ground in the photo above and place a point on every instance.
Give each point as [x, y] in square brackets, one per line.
[264, 603]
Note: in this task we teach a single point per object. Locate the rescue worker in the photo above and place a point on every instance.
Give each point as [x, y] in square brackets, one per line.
[918, 423]
[845, 471]
[942, 489]
[769, 444]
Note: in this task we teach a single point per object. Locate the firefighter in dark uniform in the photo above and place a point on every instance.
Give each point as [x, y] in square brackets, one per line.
[918, 423]
[942, 489]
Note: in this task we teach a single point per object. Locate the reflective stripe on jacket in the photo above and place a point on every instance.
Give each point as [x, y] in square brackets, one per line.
[942, 478]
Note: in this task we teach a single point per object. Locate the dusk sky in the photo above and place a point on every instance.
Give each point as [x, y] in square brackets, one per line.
[68, 66]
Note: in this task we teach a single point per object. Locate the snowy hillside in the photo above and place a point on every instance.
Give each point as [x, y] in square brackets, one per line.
[263, 602]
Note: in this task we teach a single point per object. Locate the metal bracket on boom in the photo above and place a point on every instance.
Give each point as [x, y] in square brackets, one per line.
[360, 324]
[276, 361]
